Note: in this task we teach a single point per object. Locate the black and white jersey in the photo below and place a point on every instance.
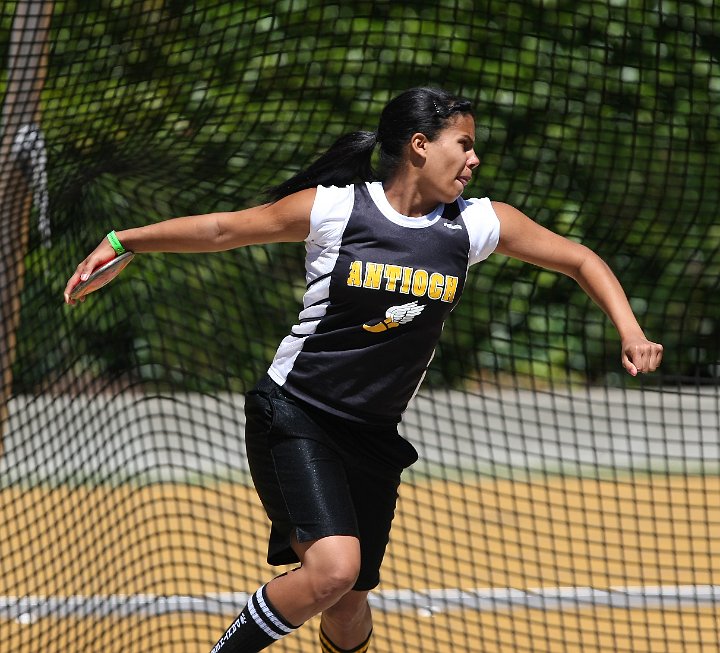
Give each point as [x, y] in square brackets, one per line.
[379, 287]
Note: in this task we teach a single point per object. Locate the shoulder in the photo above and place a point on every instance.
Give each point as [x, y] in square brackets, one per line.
[483, 226]
[330, 212]
[330, 196]
[479, 209]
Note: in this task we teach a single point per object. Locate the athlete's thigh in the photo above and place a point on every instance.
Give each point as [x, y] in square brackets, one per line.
[374, 498]
[301, 481]
[315, 490]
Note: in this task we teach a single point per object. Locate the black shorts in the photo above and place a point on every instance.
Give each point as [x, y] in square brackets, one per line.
[319, 475]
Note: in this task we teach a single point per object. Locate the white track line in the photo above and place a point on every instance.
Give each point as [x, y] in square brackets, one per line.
[27, 609]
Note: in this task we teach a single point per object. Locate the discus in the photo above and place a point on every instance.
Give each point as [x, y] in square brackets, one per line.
[102, 276]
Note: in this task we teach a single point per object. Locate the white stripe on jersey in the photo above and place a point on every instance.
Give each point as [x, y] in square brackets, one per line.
[330, 214]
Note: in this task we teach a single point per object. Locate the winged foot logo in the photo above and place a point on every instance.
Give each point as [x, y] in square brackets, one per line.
[395, 316]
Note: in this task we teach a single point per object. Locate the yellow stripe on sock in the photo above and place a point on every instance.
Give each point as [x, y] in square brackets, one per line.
[329, 647]
[364, 648]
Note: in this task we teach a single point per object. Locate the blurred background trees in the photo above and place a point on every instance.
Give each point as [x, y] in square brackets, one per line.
[600, 119]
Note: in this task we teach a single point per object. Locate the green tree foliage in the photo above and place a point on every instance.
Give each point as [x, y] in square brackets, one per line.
[600, 119]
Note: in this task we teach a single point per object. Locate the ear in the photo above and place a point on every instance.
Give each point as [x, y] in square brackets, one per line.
[418, 144]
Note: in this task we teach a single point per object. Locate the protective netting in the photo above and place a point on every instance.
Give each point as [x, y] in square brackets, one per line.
[559, 504]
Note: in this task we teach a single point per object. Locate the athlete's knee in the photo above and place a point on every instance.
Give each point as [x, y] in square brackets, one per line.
[335, 579]
[333, 567]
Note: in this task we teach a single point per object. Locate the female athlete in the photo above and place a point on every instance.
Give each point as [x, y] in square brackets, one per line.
[387, 258]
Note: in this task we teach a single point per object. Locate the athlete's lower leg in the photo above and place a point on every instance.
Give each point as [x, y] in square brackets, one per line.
[329, 570]
[347, 625]
[256, 627]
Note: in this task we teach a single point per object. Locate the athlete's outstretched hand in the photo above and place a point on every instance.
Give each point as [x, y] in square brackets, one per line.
[641, 355]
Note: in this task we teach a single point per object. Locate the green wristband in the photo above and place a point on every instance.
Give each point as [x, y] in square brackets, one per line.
[115, 243]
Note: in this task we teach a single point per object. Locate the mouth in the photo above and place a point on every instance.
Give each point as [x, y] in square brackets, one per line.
[463, 180]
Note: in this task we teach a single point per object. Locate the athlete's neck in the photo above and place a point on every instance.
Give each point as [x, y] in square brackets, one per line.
[407, 199]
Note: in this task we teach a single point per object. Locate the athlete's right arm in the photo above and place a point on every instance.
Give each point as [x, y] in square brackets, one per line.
[287, 220]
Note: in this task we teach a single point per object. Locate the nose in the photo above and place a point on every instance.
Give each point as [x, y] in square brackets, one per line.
[473, 161]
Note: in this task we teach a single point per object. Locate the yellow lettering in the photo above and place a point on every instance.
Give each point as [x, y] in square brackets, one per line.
[355, 276]
[435, 287]
[373, 275]
[419, 283]
[451, 284]
[406, 278]
[392, 274]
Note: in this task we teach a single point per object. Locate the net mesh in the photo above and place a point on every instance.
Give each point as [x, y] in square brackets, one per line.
[559, 504]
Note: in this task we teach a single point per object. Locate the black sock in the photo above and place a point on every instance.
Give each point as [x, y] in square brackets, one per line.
[256, 627]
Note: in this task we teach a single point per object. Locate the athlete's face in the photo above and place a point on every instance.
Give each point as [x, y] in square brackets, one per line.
[451, 158]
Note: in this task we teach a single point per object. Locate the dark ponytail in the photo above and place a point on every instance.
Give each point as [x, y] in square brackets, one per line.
[347, 160]
[424, 110]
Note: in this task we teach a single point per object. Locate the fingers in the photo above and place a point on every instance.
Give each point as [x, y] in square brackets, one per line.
[74, 280]
[99, 256]
[641, 356]
[628, 365]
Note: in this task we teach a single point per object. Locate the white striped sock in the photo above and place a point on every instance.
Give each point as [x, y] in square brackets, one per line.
[261, 612]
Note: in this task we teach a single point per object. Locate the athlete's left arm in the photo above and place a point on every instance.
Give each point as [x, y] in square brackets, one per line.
[524, 239]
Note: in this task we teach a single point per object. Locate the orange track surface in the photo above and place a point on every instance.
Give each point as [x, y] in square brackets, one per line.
[180, 539]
